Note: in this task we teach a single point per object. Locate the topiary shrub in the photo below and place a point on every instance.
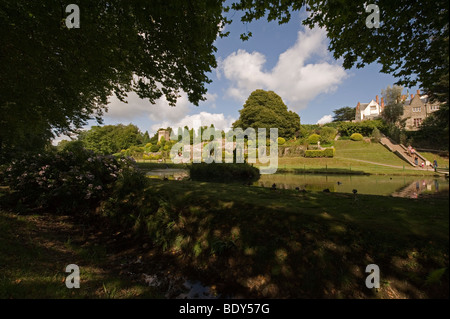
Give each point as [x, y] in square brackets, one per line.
[313, 138]
[356, 137]
[281, 141]
[328, 152]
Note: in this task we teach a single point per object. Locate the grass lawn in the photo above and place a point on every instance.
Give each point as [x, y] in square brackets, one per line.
[34, 253]
[286, 244]
[352, 158]
[443, 162]
[249, 242]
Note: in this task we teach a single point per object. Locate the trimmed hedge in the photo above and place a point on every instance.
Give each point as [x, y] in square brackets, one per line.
[328, 152]
[356, 137]
[364, 128]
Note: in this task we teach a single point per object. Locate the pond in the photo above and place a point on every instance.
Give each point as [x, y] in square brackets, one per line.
[169, 173]
[400, 186]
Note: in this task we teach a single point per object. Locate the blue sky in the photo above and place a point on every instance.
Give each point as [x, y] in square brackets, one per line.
[289, 59]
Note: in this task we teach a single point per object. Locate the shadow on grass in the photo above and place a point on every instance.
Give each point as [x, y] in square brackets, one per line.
[249, 242]
[35, 251]
[260, 243]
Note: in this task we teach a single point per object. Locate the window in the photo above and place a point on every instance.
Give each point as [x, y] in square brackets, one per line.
[417, 122]
[434, 107]
[416, 109]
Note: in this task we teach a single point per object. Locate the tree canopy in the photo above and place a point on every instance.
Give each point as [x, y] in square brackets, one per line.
[54, 78]
[345, 113]
[110, 139]
[393, 110]
[266, 109]
[411, 43]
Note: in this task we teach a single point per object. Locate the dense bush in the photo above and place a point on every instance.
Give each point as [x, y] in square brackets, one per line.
[313, 139]
[376, 135]
[154, 148]
[327, 134]
[130, 202]
[328, 152]
[66, 182]
[356, 137]
[364, 128]
[224, 172]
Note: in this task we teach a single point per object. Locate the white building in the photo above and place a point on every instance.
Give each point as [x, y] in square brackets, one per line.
[369, 111]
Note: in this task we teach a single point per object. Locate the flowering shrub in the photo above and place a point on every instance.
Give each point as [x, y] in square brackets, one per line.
[70, 181]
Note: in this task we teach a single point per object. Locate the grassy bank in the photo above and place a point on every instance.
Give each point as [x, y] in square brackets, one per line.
[353, 158]
[356, 158]
[35, 250]
[265, 243]
[244, 241]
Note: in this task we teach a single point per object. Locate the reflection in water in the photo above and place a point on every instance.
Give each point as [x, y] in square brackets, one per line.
[426, 185]
[399, 186]
[176, 174]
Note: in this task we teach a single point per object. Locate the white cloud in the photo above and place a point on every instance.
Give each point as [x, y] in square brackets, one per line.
[138, 108]
[57, 139]
[325, 119]
[194, 121]
[210, 100]
[158, 112]
[293, 78]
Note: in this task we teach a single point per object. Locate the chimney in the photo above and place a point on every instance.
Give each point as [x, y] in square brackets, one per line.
[403, 97]
[412, 96]
[382, 103]
[377, 100]
[418, 92]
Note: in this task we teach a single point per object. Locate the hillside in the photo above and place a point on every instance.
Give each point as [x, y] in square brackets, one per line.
[355, 157]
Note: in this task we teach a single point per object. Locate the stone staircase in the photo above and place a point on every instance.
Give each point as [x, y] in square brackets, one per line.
[401, 151]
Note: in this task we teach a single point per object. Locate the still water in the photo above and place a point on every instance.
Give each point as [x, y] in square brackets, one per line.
[400, 186]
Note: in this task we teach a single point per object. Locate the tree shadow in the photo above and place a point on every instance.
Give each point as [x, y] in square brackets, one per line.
[270, 251]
